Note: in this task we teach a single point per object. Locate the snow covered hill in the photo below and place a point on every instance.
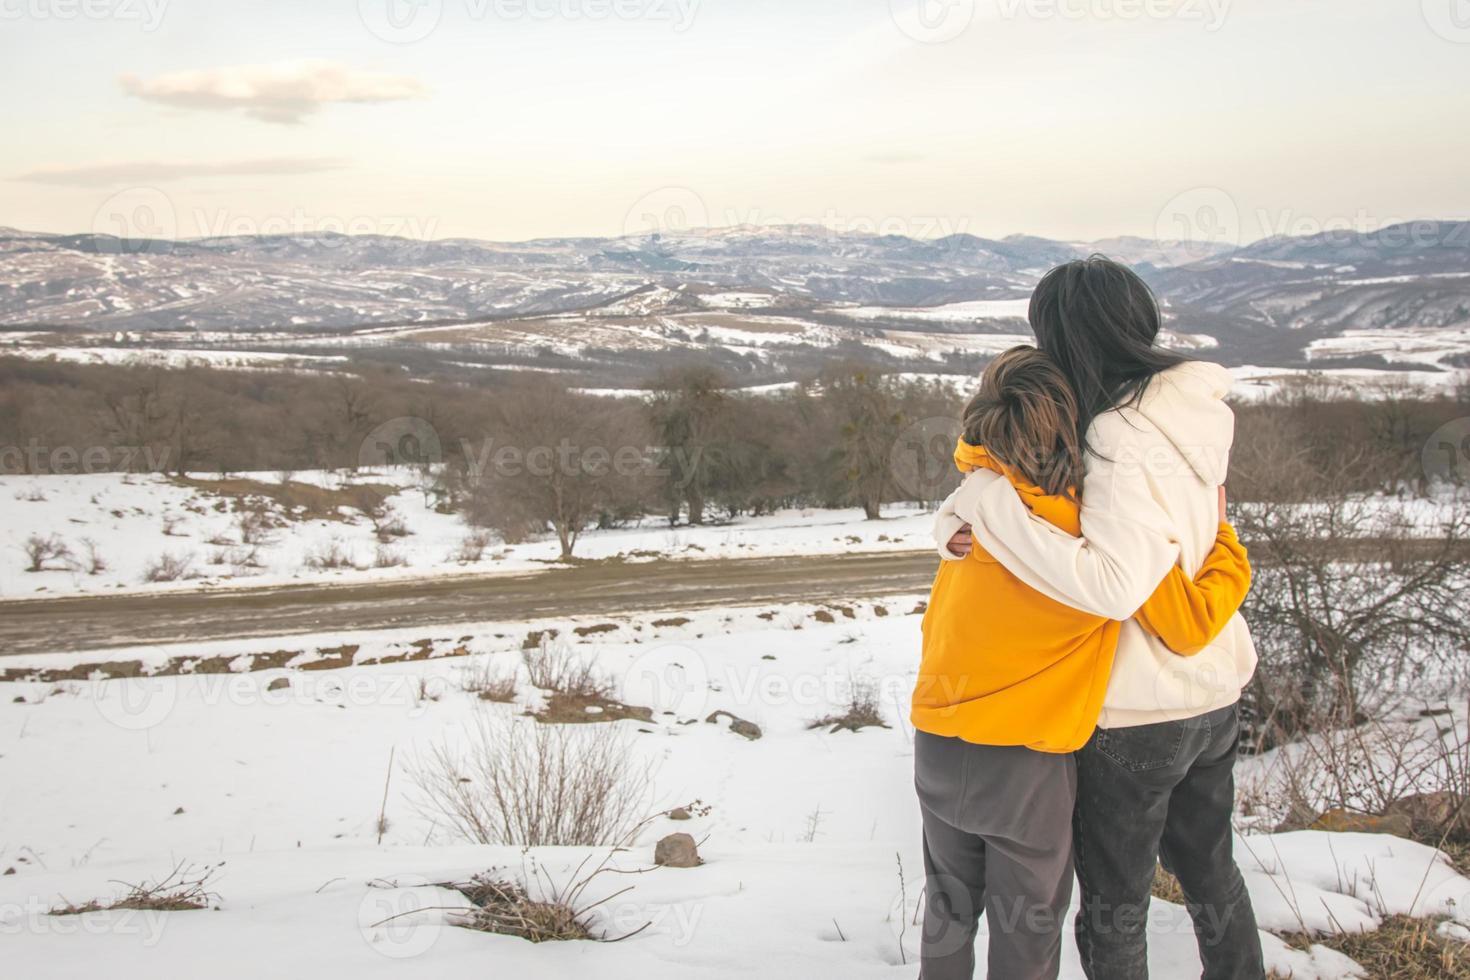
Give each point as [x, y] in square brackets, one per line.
[275, 780]
[756, 300]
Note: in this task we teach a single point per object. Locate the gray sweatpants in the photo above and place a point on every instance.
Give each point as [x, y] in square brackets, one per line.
[997, 840]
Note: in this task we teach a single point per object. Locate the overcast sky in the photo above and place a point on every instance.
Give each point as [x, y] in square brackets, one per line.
[514, 119]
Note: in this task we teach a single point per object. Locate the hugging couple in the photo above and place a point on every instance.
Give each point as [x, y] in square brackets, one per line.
[1083, 655]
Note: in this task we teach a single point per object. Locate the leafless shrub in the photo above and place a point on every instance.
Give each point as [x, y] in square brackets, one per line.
[169, 567]
[171, 524]
[244, 559]
[427, 690]
[182, 889]
[388, 524]
[1353, 594]
[385, 556]
[329, 554]
[506, 907]
[513, 781]
[253, 524]
[41, 549]
[472, 547]
[861, 711]
[555, 666]
[488, 683]
[1370, 769]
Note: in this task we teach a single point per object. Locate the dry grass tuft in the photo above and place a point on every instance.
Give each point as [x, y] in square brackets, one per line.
[306, 500]
[1166, 886]
[1400, 949]
[504, 908]
[861, 711]
[183, 889]
[575, 692]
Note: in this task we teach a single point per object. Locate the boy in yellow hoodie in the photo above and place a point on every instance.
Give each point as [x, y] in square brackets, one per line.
[1012, 682]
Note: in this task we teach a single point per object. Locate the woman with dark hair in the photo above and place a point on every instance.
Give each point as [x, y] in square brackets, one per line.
[1155, 782]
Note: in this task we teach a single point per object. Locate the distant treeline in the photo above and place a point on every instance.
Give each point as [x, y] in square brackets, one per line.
[690, 448]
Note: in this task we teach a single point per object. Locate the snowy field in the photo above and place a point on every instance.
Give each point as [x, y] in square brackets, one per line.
[117, 781]
[133, 521]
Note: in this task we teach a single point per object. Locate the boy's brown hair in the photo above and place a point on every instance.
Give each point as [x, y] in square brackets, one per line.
[1025, 415]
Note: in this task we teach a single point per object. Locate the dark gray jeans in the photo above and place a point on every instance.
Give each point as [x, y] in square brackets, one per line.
[997, 840]
[1162, 792]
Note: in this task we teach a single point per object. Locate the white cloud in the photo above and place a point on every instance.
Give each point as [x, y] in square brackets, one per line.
[284, 92]
[142, 172]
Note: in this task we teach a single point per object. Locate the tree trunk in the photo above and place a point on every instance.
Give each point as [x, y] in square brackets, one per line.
[695, 500]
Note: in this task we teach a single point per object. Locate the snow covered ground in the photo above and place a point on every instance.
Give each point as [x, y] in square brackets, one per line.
[966, 312]
[135, 519]
[122, 780]
[1253, 382]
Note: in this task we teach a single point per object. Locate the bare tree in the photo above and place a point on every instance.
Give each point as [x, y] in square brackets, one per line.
[563, 461]
[689, 412]
[867, 420]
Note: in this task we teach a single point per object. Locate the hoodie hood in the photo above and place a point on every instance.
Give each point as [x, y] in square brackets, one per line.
[1187, 404]
[1063, 511]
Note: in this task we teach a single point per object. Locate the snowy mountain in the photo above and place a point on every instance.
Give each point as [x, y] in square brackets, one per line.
[760, 300]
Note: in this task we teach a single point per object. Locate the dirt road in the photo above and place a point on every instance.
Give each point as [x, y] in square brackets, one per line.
[93, 622]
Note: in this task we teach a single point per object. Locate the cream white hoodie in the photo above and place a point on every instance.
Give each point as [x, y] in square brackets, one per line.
[1150, 501]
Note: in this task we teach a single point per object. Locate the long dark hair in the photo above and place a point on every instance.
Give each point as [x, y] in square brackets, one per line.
[1025, 417]
[1098, 320]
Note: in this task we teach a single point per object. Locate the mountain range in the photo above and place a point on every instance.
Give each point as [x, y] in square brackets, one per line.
[764, 302]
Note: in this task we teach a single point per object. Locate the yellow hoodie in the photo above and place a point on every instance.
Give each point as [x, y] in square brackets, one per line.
[1004, 664]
